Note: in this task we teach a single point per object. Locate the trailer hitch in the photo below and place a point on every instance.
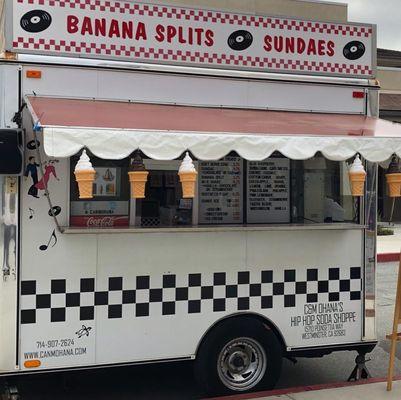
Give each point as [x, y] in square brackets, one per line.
[360, 371]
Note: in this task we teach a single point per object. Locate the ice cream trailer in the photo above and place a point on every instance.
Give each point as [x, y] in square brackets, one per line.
[186, 184]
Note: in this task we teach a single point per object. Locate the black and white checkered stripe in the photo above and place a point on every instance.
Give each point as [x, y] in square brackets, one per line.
[139, 295]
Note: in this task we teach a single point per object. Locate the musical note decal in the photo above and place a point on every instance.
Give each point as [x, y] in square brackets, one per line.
[31, 213]
[53, 212]
[53, 237]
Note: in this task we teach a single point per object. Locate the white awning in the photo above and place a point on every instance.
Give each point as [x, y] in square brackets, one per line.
[113, 130]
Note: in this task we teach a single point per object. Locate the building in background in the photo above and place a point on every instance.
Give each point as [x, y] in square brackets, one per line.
[308, 9]
[389, 76]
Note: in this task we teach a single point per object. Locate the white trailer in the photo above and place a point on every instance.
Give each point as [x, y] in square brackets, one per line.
[273, 257]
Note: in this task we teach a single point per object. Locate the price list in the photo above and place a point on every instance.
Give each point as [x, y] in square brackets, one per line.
[268, 191]
[220, 191]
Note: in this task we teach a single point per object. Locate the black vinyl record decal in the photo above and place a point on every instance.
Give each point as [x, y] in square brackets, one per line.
[32, 145]
[354, 50]
[36, 21]
[56, 210]
[240, 40]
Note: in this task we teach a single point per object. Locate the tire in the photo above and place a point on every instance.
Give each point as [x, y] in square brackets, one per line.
[238, 356]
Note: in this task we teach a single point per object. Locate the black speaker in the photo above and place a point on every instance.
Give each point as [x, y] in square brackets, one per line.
[11, 158]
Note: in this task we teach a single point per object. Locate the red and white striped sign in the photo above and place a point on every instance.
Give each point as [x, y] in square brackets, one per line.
[133, 31]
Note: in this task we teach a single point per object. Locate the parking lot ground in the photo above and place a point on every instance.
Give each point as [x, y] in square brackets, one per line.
[371, 389]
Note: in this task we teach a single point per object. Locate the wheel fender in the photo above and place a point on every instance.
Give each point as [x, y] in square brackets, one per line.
[269, 325]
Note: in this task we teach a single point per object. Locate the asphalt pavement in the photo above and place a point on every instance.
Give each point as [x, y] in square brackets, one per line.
[175, 381]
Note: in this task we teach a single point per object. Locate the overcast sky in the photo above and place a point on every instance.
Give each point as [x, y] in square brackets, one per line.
[385, 13]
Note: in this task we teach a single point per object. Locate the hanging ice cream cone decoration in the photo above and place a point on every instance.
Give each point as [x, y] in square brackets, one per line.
[85, 176]
[138, 181]
[138, 176]
[394, 184]
[188, 175]
[393, 178]
[357, 178]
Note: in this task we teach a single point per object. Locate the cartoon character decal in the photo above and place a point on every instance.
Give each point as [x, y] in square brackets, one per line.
[39, 184]
[49, 170]
[32, 170]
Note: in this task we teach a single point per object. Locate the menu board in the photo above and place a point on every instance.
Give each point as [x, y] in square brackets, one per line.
[268, 191]
[221, 191]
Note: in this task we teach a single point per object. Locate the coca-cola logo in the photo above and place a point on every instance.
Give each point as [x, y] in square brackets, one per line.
[99, 221]
[102, 222]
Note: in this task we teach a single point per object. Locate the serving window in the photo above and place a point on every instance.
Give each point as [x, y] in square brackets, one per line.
[230, 191]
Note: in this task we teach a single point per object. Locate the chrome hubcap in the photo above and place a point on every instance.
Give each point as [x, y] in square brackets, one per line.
[241, 364]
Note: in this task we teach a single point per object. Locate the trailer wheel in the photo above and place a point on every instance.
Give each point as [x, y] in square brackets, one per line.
[240, 355]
